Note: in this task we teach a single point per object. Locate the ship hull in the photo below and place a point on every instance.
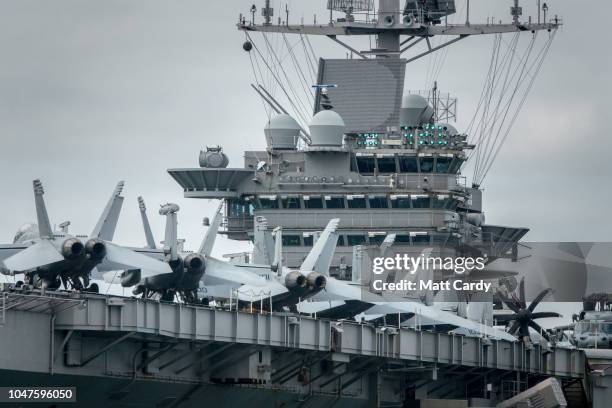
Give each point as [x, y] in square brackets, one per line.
[95, 391]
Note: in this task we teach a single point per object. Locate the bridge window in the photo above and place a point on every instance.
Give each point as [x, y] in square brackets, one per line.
[455, 165]
[377, 239]
[308, 241]
[402, 239]
[400, 202]
[291, 240]
[334, 202]
[439, 202]
[386, 165]
[443, 164]
[356, 202]
[443, 202]
[420, 201]
[426, 164]
[379, 202]
[356, 239]
[313, 202]
[341, 241]
[266, 203]
[291, 203]
[440, 239]
[237, 208]
[366, 165]
[420, 239]
[408, 164]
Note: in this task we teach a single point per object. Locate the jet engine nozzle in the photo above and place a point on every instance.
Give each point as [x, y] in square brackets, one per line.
[72, 248]
[194, 263]
[95, 249]
[295, 280]
[130, 277]
[316, 280]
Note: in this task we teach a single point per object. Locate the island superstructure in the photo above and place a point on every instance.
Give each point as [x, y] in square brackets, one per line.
[383, 160]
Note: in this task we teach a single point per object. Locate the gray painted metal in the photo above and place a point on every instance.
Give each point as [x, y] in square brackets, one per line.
[130, 350]
[106, 315]
[369, 92]
[361, 28]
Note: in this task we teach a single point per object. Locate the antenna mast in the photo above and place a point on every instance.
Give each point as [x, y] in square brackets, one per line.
[416, 21]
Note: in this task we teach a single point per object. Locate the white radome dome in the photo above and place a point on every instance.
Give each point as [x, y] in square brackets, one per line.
[415, 110]
[327, 128]
[282, 132]
[414, 101]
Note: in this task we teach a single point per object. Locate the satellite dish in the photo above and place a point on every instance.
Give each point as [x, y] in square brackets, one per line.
[261, 166]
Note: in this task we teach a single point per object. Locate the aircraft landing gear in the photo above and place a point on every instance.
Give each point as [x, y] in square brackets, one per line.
[76, 284]
[190, 297]
[168, 296]
[33, 279]
[93, 288]
[55, 285]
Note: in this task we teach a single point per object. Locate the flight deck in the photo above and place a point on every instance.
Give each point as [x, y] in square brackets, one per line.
[70, 337]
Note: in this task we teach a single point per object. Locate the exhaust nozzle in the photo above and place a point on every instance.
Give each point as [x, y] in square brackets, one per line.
[95, 249]
[72, 248]
[316, 280]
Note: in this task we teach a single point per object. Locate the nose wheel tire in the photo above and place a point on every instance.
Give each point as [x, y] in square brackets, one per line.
[93, 288]
[168, 296]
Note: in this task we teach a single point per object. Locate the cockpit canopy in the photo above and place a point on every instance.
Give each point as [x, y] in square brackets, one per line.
[26, 232]
[593, 327]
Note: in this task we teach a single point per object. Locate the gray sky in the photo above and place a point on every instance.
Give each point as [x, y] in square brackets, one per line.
[93, 92]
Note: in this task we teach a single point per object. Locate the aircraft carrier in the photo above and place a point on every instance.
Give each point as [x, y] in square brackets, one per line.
[390, 171]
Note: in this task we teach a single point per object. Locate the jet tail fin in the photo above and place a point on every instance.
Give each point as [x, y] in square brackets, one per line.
[278, 249]
[320, 257]
[107, 223]
[263, 250]
[211, 233]
[171, 235]
[356, 264]
[145, 224]
[44, 225]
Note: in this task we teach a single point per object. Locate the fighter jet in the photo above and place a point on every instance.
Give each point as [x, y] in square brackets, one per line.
[186, 269]
[267, 286]
[287, 287]
[347, 300]
[51, 258]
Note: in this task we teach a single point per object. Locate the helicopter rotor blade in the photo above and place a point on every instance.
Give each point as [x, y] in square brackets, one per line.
[539, 298]
[539, 329]
[522, 293]
[515, 327]
[544, 315]
[511, 303]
